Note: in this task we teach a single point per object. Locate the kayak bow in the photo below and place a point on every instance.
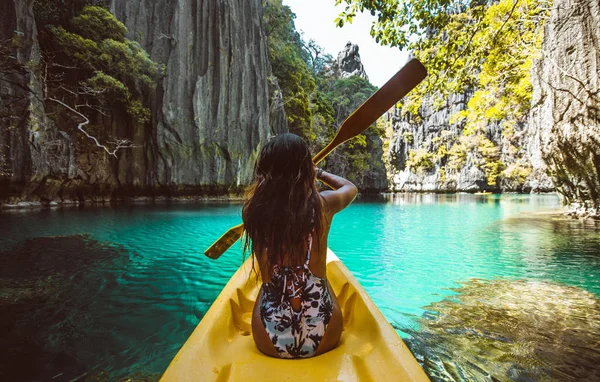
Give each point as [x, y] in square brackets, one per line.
[221, 347]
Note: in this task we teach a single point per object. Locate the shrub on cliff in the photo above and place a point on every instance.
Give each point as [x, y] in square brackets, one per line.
[89, 69]
[90, 61]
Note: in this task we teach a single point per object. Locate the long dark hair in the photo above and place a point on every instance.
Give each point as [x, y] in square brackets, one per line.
[283, 205]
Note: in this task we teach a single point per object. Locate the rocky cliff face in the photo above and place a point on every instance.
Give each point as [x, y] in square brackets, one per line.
[211, 111]
[429, 152]
[440, 162]
[34, 153]
[565, 122]
[433, 132]
[348, 63]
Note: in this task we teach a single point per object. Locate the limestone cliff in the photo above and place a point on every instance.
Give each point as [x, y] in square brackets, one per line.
[431, 140]
[565, 123]
[33, 151]
[429, 152]
[348, 63]
[210, 112]
[433, 131]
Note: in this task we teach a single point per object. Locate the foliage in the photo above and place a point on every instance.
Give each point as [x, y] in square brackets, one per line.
[482, 46]
[456, 38]
[457, 156]
[420, 160]
[516, 173]
[96, 23]
[315, 102]
[89, 60]
[490, 160]
[288, 61]
[345, 95]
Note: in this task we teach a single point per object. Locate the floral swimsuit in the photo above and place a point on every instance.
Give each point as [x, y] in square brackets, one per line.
[296, 334]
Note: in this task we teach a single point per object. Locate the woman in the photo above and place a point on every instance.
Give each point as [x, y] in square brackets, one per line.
[287, 220]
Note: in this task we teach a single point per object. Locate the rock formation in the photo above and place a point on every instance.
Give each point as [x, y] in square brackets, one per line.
[565, 122]
[429, 138]
[33, 151]
[210, 112]
[348, 63]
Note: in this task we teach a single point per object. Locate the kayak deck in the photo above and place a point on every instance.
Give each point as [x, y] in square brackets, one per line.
[221, 348]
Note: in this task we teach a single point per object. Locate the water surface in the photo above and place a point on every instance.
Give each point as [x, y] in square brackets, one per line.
[105, 293]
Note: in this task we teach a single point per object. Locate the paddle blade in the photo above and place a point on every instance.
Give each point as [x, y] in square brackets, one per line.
[220, 246]
[381, 101]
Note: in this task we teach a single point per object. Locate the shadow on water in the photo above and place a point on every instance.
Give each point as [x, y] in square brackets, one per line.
[45, 297]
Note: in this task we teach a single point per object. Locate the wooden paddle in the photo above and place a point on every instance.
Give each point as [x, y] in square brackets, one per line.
[397, 87]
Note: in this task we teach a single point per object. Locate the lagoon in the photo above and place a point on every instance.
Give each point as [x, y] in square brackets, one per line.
[111, 292]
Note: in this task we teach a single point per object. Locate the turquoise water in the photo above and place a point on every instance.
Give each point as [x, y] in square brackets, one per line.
[116, 291]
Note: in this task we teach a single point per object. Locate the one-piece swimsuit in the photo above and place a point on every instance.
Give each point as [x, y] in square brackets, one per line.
[296, 334]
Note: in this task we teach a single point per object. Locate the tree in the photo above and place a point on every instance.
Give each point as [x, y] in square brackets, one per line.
[318, 61]
[486, 47]
[344, 95]
[89, 66]
[289, 64]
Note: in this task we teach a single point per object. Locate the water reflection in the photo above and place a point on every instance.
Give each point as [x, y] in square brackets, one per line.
[548, 201]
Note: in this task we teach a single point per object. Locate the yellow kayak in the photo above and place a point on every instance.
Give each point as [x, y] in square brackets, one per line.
[221, 347]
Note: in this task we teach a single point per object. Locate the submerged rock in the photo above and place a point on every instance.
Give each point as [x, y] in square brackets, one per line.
[512, 330]
[45, 295]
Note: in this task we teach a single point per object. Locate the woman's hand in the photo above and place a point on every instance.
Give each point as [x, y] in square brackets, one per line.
[318, 172]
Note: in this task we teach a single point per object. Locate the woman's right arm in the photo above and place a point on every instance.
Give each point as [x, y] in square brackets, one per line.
[343, 192]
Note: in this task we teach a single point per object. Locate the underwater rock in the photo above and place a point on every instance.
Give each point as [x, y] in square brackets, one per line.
[45, 293]
[511, 330]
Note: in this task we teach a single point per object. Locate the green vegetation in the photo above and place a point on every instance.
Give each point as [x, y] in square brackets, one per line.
[420, 160]
[354, 158]
[315, 102]
[457, 156]
[289, 64]
[87, 61]
[485, 47]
